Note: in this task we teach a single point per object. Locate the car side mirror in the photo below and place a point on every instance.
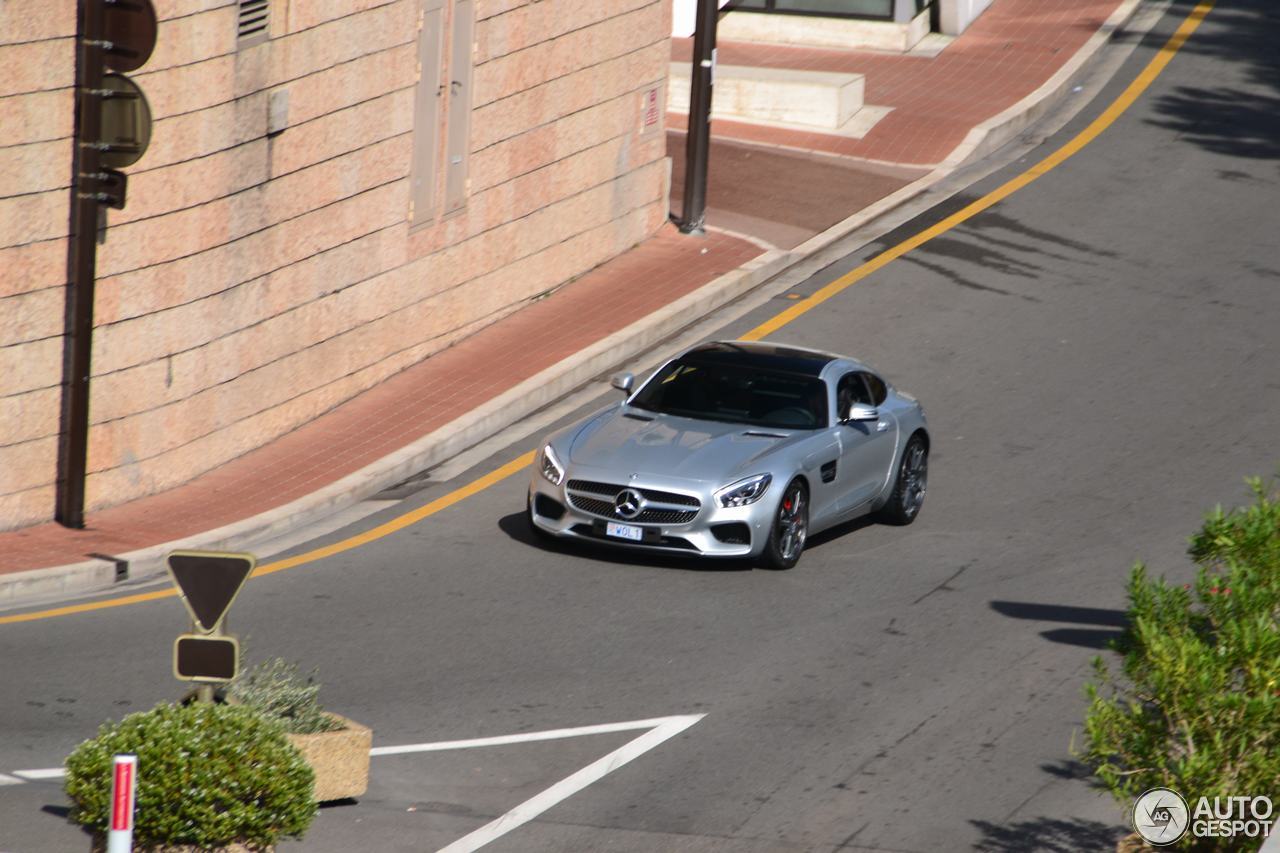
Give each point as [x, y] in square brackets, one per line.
[860, 412]
[623, 382]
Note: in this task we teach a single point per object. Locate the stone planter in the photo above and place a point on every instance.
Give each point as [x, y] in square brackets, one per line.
[340, 759]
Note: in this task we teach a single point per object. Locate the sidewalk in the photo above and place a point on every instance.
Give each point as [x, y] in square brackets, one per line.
[769, 187]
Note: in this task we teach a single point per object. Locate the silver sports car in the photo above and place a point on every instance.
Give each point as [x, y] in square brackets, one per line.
[735, 449]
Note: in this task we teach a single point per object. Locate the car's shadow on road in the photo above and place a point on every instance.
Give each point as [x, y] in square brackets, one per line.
[516, 526]
[831, 534]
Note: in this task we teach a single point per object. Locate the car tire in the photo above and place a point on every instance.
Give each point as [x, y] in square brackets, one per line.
[789, 529]
[909, 486]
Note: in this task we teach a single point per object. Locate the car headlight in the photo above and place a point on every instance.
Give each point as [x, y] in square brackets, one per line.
[550, 466]
[744, 492]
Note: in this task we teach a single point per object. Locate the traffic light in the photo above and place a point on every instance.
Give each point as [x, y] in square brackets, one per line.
[120, 34]
[113, 129]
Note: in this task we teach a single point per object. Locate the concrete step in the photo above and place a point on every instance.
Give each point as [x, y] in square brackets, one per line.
[822, 31]
[818, 99]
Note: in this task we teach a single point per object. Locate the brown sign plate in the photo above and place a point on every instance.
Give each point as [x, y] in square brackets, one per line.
[211, 659]
[208, 582]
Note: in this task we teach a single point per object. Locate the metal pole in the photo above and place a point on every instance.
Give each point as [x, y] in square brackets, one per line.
[699, 140]
[205, 692]
[73, 439]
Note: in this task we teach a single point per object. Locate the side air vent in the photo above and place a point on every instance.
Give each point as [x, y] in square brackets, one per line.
[636, 417]
[755, 434]
[251, 24]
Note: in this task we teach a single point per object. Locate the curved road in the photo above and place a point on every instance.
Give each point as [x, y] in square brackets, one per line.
[1098, 356]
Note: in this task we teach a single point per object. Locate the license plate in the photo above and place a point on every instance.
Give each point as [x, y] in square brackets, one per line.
[624, 531]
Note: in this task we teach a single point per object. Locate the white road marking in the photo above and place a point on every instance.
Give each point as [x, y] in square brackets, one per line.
[659, 729]
[48, 773]
[551, 734]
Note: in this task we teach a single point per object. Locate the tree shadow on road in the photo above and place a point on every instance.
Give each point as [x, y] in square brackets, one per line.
[1048, 835]
[1106, 637]
[1240, 117]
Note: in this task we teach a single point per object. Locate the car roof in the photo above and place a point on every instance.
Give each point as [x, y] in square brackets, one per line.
[763, 356]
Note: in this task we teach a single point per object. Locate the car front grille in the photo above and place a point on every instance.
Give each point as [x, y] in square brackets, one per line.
[663, 507]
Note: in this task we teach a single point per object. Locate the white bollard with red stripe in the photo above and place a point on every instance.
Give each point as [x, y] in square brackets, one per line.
[124, 780]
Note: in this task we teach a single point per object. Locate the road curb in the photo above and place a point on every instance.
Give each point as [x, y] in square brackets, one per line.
[492, 416]
[101, 573]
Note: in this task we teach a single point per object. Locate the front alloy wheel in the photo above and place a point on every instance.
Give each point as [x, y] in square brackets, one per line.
[909, 488]
[790, 526]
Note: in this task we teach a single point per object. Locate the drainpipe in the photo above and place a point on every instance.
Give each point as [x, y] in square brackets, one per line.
[698, 141]
[73, 438]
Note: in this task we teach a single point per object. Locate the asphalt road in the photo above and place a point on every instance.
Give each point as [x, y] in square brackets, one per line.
[1098, 358]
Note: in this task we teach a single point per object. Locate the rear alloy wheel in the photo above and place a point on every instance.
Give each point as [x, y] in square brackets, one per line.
[790, 527]
[908, 490]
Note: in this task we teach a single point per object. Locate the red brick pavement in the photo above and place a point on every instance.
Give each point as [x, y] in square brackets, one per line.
[395, 413]
[1009, 52]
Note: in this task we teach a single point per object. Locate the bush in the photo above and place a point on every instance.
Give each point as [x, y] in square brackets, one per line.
[278, 691]
[208, 775]
[1199, 708]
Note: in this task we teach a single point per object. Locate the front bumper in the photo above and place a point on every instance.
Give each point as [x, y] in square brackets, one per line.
[712, 531]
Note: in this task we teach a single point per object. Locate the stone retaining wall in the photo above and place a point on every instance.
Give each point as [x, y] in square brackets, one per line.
[254, 281]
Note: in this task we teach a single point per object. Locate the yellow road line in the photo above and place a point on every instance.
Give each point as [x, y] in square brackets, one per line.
[1096, 127]
[402, 521]
[1083, 138]
[385, 529]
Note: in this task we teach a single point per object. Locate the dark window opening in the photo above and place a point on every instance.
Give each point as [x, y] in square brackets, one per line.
[876, 10]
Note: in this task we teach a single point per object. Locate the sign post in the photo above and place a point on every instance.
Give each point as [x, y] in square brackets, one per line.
[124, 780]
[208, 582]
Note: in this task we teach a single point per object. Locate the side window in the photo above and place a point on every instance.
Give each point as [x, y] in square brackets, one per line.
[850, 390]
[879, 391]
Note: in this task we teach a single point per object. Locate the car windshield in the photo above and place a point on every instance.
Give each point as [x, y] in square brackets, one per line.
[720, 392]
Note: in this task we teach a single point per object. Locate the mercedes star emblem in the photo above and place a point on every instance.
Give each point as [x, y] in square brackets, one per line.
[628, 503]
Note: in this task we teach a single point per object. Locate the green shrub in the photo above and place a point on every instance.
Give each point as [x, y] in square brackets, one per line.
[208, 775]
[1198, 709]
[278, 691]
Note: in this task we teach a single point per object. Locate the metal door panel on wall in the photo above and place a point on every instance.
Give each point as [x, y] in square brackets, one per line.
[458, 144]
[426, 114]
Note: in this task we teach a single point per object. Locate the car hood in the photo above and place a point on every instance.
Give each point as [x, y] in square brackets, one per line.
[629, 442]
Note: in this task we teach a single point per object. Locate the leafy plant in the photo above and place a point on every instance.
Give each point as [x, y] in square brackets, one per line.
[279, 691]
[208, 775]
[1198, 709]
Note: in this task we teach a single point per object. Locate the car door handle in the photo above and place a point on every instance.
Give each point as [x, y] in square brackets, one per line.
[882, 426]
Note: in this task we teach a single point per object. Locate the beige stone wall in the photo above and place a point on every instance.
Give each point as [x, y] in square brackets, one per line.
[254, 282]
[37, 67]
